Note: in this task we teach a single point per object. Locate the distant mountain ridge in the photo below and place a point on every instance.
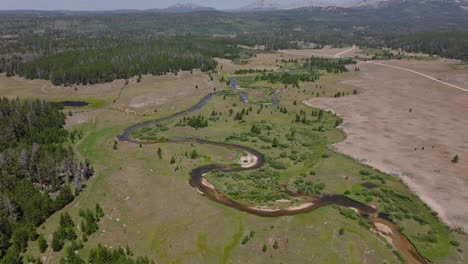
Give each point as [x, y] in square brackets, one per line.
[272, 6]
[175, 8]
[260, 5]
[186, 8]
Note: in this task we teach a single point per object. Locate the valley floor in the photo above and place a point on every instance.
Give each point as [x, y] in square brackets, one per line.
[151, 208]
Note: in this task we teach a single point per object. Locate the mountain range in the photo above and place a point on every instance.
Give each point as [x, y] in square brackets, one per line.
[176, 8]
[262, 5]
[268, 5]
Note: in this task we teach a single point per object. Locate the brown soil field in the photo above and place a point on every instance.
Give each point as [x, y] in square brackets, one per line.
[416, 145]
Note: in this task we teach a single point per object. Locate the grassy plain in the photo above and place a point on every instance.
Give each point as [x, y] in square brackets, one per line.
[150, 206]
[303, 162]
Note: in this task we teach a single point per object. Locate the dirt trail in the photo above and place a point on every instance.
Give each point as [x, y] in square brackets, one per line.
[343, 52]
[328, 52]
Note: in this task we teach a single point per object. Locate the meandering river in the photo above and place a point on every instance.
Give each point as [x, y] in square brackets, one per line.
[380, 222]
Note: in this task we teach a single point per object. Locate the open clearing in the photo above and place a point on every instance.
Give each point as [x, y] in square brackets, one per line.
[326, 52]
[416, 145]
[19, 87]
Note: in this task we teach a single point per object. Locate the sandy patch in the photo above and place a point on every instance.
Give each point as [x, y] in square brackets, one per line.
[299, 207]
[385, 231]
[206, 183]
[264, 208]
[143, 101]
[383, 228]
[79, 118]
[76, 120]
[290, 208]
[417, 146]
[248, 161]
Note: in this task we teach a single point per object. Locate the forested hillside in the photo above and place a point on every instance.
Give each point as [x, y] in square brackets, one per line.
[38, 171]
[445, 44]
[105, 60]
[98, 47]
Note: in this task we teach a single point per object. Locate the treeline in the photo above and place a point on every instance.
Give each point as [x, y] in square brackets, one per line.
[113, 59]
[329, 65]
[248, 71]
[290, 77]
[37, 171]
[100, 48]
[452, 44]
[312, 66]
[444, 44]
[103, 255]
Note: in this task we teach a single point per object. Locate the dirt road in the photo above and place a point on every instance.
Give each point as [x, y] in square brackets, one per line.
[419, 73]
[345, 51]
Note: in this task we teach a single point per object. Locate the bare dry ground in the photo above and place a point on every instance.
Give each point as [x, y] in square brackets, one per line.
[268, 61]
[19, 87]
[326, 52]
[418, 145]
[145, 97]
[261, 62]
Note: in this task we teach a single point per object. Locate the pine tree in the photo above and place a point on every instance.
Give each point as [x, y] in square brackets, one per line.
[42, 243]
[194, 154]
[70, 256]
[275, 143]
[275, 245]
[255, 130]
[99, 212]
[159, 153]
[57, 242]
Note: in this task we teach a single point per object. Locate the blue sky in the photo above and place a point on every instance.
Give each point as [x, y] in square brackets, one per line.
[115, 4]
